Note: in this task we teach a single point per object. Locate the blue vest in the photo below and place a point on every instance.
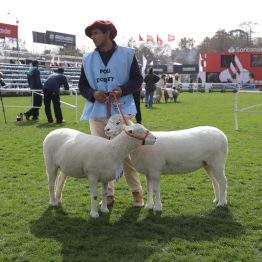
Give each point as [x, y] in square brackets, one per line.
[107, 78]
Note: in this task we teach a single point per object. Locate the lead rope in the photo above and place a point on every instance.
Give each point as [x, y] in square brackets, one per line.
[113, 95]
[120, 169]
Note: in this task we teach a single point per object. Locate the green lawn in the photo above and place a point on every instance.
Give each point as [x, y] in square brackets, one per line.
[190, 227]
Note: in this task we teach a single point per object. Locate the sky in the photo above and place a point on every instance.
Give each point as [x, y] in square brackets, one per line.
[195, 19]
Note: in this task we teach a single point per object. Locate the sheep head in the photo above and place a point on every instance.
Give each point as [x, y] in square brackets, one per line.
[116, 125]
[139, 132]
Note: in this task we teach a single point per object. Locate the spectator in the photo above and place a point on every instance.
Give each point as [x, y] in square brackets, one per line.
[110, 68]
[160, 85]
[52, 93]
[34, 81]
[2, 81]
[150, 79]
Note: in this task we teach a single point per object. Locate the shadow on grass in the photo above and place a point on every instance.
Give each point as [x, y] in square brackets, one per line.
[52, 125]
[130, 236]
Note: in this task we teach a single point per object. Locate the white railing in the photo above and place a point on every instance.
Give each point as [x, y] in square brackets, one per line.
[72, 90]
[245, 109]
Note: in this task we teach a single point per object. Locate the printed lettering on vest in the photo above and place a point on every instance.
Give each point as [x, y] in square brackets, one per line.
[105, 71]
[105, 79]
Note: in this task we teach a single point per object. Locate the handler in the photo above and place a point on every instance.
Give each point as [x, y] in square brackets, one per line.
[110, 68]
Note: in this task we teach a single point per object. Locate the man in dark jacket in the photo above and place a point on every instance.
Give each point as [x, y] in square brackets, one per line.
[52, 93]
[34, 81]
[151, 79]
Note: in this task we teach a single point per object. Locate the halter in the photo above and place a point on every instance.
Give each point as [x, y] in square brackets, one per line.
[142, 138]
[113, 95]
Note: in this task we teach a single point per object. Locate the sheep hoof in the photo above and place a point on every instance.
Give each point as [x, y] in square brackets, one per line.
[53, 204]
[222, 204]
[149, 206]
[158, 208]
[94, 214]
[104, 209]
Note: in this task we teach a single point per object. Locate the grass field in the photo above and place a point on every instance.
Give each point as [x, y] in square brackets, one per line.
[190, 228]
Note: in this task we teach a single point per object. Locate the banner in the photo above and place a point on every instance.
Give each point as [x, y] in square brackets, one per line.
[171, 37]
[150, 39]
[7, 30]
[140, 38]
[55, 38]
[159, 40]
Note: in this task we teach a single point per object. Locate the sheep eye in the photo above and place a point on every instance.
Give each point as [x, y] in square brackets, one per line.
[117, 123]
[130, 131]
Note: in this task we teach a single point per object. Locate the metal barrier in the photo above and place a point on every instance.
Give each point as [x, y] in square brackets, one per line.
[23, 90]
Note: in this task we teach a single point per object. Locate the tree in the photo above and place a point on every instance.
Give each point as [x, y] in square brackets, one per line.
[186, 43]
[248, 27]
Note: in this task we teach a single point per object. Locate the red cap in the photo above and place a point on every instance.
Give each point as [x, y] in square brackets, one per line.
[104, 25]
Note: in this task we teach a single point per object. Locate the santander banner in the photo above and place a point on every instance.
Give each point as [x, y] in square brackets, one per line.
[8, 30]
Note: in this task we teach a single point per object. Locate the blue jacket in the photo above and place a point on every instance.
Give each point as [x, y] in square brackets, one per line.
[55, 81]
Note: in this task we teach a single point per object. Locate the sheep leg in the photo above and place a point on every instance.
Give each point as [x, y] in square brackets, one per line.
[60, 182]
[93, 184]
[104, 208]
[214, 183]
[222, 183]
[51, 175]
[156, 183]
[150, 200]
[219, 175]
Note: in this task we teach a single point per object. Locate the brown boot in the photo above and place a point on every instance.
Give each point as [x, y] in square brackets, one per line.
[110, 200]
[138, 200]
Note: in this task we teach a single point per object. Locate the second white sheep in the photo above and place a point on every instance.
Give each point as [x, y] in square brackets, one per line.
[177, 152]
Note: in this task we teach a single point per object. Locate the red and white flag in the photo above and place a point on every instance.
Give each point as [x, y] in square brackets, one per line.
[171, 37]
[159, 40]
[150, 39]
[140, 38]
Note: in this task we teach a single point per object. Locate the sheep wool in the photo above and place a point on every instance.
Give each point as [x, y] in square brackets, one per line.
[177, 152]
[82, 155]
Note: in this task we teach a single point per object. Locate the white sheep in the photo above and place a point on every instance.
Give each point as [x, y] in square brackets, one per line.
[82, 155]
[177, 152]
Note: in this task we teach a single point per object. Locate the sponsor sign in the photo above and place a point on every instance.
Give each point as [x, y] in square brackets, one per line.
[7, 30]
[245, 49]
[55, 38]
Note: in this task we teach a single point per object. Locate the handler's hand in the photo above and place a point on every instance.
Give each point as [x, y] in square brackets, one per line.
[101, 96]
[118, 91]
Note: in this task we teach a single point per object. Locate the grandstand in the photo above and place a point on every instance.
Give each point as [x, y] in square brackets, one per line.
[15, 64]
[15, 74]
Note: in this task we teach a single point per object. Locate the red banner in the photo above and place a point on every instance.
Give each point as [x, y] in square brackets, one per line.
[159, 40]
[149, 39]
[140, 38]
[171, 37]
[8, 30]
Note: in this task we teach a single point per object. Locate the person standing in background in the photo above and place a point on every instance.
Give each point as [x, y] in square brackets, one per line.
[52, 93]
[150, 79]
[110, 68]
[34, 82]
[2, 81]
